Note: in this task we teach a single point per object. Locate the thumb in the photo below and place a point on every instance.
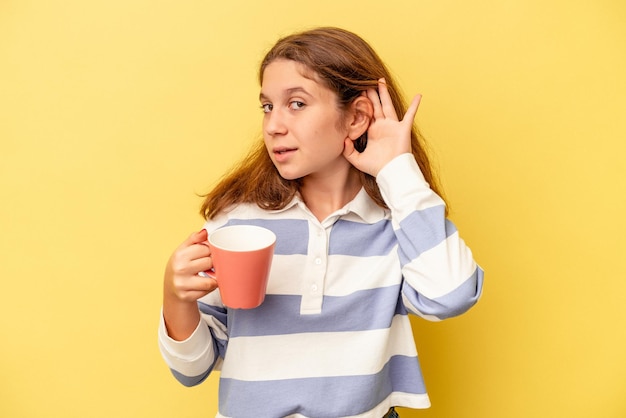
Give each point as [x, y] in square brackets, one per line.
[349, 152]
[412, 110]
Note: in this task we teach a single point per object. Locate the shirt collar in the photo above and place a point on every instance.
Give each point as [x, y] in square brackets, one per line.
[365, 208]
[362, 206]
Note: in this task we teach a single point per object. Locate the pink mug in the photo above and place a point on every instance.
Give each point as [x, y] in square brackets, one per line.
[242, 258]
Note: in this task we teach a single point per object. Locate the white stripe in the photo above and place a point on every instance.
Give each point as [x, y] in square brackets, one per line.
[191, 357]
[443, 275]
[372, 272]
[285, 279]
[317, 354]
[404, 188]
[285, 274]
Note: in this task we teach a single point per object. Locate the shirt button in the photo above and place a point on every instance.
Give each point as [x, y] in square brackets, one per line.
[314, 288]
[318, 261]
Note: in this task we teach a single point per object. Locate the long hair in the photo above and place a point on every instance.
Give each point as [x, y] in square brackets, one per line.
[347, 65]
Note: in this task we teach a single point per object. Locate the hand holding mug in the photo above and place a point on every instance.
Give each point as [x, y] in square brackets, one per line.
[181, 273]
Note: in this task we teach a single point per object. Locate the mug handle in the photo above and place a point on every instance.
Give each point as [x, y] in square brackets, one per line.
[208, 273]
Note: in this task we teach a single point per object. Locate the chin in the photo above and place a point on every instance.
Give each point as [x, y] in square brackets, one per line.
[289, 175]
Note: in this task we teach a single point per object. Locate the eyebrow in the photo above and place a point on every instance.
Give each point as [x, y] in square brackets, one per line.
[288, 92]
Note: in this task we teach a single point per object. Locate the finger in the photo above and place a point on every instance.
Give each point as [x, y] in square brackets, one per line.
[195, 243]
[201, 236]
[196, 238]
[385, 99]
[200, 265]
[190, 260]
[199, 252]
[375, 99]
[197, 284]
[211, 284]
[207, 285]
[409, 116]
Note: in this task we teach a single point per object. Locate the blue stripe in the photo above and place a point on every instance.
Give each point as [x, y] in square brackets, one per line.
[421, 231]
[196, 380]
[346, 395]
[190, 381]
[292, 235]
[280, 314]
[360, 239]
[218, 313]
[454, 303]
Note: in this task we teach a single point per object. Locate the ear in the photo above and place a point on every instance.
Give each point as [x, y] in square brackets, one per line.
[361, 114]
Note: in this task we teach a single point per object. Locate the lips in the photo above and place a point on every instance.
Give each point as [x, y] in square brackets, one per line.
[281, 154]
[282, 150]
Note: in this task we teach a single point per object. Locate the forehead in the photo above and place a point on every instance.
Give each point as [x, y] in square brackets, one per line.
[289, 66]
[284, 75]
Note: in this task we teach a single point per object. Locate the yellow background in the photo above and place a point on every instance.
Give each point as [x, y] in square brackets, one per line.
[115, 114]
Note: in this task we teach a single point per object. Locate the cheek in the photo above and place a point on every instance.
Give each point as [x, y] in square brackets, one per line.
[339, 130]
[341, 124]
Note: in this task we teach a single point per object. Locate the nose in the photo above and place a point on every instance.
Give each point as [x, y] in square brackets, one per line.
[274, 123]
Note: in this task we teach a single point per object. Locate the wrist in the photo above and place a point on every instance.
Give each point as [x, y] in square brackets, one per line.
[181, 317]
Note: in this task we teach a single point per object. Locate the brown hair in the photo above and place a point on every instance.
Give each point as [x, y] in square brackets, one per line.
[347, 65]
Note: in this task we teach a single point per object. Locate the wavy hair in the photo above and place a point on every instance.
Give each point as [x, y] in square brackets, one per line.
[346, 64]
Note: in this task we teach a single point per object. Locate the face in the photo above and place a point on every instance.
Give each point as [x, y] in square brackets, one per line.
[302, 123]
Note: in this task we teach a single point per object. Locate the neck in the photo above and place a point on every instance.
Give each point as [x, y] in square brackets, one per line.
[324, 195]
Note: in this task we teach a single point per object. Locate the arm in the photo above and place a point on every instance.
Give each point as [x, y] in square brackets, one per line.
[186, 342]
[441, 278]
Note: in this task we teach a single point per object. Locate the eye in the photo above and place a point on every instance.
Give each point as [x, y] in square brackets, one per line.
[296, 105]
[267, 107]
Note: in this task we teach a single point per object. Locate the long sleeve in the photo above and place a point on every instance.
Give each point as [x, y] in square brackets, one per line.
[192, 360]
[441, 278]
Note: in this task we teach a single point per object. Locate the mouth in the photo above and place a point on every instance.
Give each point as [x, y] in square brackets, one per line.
[283, 150]
[283, 154]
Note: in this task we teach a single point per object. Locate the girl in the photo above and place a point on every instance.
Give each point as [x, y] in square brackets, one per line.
[362, 240]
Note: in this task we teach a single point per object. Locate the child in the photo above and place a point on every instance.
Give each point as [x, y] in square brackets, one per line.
[362, 240]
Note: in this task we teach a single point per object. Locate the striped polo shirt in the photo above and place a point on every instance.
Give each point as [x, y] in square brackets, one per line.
[333, 338]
